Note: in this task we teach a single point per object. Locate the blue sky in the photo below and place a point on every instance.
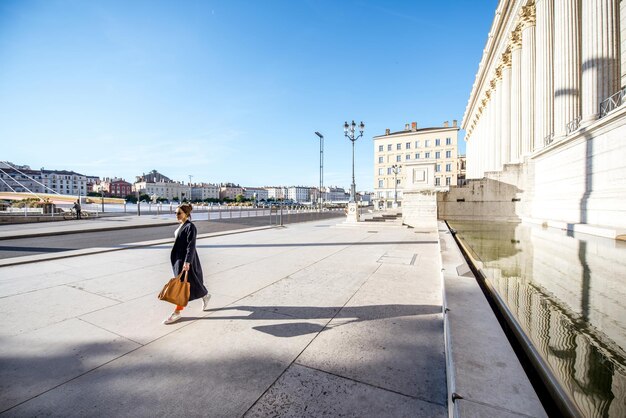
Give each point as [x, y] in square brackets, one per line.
[228, 90]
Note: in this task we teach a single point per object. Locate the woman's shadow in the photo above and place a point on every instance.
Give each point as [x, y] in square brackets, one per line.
[339, 315]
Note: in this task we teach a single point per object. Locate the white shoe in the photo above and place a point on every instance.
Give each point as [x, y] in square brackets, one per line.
[175, 316]
[205, 302]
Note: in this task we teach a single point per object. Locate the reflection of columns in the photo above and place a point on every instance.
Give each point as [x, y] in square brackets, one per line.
[528, 78]
[497, 100]
[516, 78]
[544, 93]
[505, 112]
[600, 54]
[566, 64]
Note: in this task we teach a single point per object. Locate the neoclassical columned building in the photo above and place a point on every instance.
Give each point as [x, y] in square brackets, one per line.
[547, 102]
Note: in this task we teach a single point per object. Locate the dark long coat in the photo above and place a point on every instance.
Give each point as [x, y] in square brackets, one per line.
[184, 250]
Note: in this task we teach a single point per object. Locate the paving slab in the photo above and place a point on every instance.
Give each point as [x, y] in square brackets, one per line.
[34, 362]
[305, 392]
[45, 307]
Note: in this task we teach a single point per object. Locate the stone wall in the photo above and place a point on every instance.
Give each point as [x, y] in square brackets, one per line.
[579, 180]
[582, 179]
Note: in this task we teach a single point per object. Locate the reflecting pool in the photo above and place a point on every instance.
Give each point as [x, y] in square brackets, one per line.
[568, 294]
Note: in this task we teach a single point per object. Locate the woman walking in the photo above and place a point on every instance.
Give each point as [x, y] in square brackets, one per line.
[185, 258]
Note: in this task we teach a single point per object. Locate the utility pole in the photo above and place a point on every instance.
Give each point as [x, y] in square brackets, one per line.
[190, 176]
[319, 197]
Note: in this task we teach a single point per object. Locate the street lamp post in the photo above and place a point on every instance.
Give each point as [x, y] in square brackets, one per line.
[102, 196]
[319, 196]
[349, 132]
[396, 169]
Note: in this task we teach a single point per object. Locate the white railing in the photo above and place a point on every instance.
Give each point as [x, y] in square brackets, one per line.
[612, 103]
[548, 139]
[573, 125]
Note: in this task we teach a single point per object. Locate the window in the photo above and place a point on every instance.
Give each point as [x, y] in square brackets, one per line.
[417, 155]
[448, 180]
[427, 143]
[397, 181]
[398, 146]
[380, 171]
[437, 142]
[448, 141]
[380, 183]
[389, 171]
[437, 181]
[407, 157]
[417, 144]
[427, 155]
[380, 160]
[380, 148]
[438, 168]
[399, 158]
[408, 145]
[389, 147]
[437, 154]
[448, 154]
[448, 167]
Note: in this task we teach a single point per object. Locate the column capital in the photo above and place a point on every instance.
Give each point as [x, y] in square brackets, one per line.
[505, 59]
[527, 16]
[498, 74]
[515, 40]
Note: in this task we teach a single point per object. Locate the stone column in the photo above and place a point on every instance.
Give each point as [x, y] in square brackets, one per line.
[622, 19]
[516, 103]
[498, 120]
[489, 122]
[505, 112]
[600, 55]
[470, 154]
[527, 16]
[566, 64]
[544, 82]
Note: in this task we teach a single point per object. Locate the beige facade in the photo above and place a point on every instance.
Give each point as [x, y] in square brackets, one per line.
[167, 190]
[230, 191]
[437, 144]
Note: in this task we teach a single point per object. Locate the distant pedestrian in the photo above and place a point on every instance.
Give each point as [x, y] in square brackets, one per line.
[77, 209]
[184, 257]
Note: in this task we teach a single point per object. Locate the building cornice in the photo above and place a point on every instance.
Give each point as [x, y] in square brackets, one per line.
[418, 132]
[507, 19]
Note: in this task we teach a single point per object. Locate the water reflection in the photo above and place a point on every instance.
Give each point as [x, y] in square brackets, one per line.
[568, 294]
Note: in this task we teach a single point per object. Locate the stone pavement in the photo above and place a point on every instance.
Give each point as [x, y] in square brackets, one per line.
[306, 320]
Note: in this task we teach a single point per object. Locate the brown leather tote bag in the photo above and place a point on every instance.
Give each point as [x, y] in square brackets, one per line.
[175, 291]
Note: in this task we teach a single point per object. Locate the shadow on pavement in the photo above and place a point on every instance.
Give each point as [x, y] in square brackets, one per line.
[349, 315]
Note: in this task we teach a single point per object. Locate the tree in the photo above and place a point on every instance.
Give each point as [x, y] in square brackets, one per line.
[131, 198]
[240, 198]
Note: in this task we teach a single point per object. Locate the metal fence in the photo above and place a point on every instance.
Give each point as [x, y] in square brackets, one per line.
[277, 214]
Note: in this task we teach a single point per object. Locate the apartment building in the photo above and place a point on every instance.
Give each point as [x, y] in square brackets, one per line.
[113, 187]
[205, 191]
[276, 193]
[299, 193]
[166, 190]
[230, 191]
[258, 193]
[43, 181]
[437, 144]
